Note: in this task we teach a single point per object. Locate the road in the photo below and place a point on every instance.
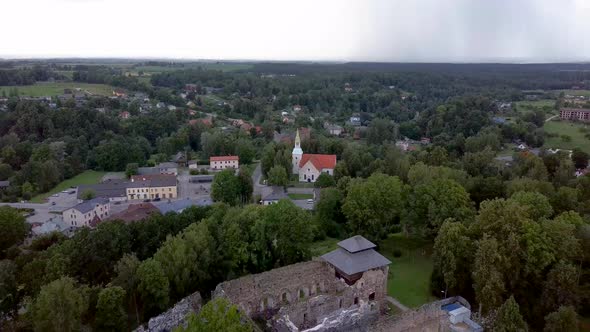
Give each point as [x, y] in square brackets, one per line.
[551, 118]
[256, 177]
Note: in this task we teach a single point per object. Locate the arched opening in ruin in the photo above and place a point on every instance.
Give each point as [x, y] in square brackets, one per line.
[372, 296]
[356, 300]
[340, 303]
[301, 294]
[305, 317]
[319, 288]
[285, 297]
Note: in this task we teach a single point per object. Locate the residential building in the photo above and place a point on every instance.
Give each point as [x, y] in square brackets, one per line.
[223, 162]
[333, 129]
[162, 168]
[310, 166]
[125, 115]
[275, 196]
[578, 114]
[192, 164]
[114, 190]
[152, 186]
[181, 205]
[355, 120]
[88, 213]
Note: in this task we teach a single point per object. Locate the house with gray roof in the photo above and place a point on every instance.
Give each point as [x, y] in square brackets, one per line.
[355, 256]
[275, 196]
[181, 205]
[88, 213]
[161, 168]
[114, 190]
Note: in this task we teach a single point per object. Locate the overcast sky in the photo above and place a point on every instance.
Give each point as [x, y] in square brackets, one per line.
[341, 30]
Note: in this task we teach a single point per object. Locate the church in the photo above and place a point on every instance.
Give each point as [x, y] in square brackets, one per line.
[310, 166]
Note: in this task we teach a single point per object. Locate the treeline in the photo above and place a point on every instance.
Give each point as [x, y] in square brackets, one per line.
[143, 267]
[26, 75]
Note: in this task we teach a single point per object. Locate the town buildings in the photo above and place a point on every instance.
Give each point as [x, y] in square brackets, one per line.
[578, 114]
[275, 196]
[88, 213]
[154, 186]
[162, 168]
[222, 162]
[310, 166]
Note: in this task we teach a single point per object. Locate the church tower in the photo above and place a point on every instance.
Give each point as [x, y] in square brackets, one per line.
[297, 153]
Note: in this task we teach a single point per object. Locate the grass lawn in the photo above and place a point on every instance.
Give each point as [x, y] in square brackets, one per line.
[323, 247]
[87, 177]
[54, 89]
[300, 196]
[409, 274]
[566, 128]
[585, 93]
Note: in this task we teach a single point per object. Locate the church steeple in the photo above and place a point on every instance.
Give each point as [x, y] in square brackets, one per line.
[297, 154]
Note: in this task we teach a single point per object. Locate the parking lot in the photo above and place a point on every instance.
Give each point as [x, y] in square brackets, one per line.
[64, 199]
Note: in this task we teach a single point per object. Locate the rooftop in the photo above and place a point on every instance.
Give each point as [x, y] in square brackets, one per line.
[152, 180]
[135, 212]
[223, 158]
[319, 161]
[110, 188]
[356, 243]
[89, 205]
[352, 263]
[179, 205]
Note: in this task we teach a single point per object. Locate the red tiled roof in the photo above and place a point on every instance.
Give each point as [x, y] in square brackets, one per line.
[224, 158]
[204, 121]
[135, 212]
[319, 161]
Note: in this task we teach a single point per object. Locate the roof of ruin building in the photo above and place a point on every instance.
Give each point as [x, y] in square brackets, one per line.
[356, 243]
[351, 263]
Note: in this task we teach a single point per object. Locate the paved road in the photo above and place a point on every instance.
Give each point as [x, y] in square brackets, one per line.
[256, 177]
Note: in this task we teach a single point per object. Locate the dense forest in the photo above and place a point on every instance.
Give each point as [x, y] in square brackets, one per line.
[513, 239]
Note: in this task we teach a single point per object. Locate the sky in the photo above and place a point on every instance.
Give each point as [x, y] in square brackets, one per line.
[315, 30]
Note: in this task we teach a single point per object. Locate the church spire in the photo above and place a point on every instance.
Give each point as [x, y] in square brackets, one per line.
[297, 140]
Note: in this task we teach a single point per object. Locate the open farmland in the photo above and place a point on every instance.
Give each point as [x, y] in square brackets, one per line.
[54, 89]
[571, 129]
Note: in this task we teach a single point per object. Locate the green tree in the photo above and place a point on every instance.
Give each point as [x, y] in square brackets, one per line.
[225, 187]
[13, 228]
[110, 312]
[509, 318]
[153, 286]
[537, 204]
[88, 194]
[131, 169]
[488, 279]
[9, 297]
[127, 279]
[429, 204]
[373, 206]
[564, 319]
[277, 176]
[5, 172]
[453, 254]
[246, 188]
[561, 287]
[59, 306]
[188, 259]
[324, 180]
[244, 149]
[218, 315]
[328, 211]
[580, 158]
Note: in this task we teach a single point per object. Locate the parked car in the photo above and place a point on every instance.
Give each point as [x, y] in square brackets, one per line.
[71, 192]
[157, 199]
[53, 203]
[117, 203]
[310, 201]
[146, 200]
[55, 195]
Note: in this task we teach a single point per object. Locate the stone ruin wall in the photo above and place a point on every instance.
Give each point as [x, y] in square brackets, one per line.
[304, 292]
[175, 316]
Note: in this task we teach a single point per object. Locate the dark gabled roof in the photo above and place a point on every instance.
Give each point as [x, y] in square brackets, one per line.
[356, 243]
[167, 164]
[352, 263]
[110, 188]
[89, 205]
[277, 193]
[152, 180]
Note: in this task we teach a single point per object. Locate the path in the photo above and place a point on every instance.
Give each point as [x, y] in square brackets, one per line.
[551, 118]
[256, 176]
[396, 303]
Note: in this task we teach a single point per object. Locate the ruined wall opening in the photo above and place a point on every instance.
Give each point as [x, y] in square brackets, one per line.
[356, 300]
[372, 296]
[340, 303]
[301, 294]
[285, 297]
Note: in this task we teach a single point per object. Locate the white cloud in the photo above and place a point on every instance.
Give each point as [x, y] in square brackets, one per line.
[383, 30]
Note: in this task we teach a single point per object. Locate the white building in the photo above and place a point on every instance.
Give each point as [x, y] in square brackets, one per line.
[310, 166]
[223, 162]
[88, 213]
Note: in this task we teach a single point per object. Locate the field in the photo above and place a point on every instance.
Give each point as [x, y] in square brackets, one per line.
[409, 274]
[300, 196]
[87, 177]
[585, 93]
[54, 89]
[567, 128]
[547, 105]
